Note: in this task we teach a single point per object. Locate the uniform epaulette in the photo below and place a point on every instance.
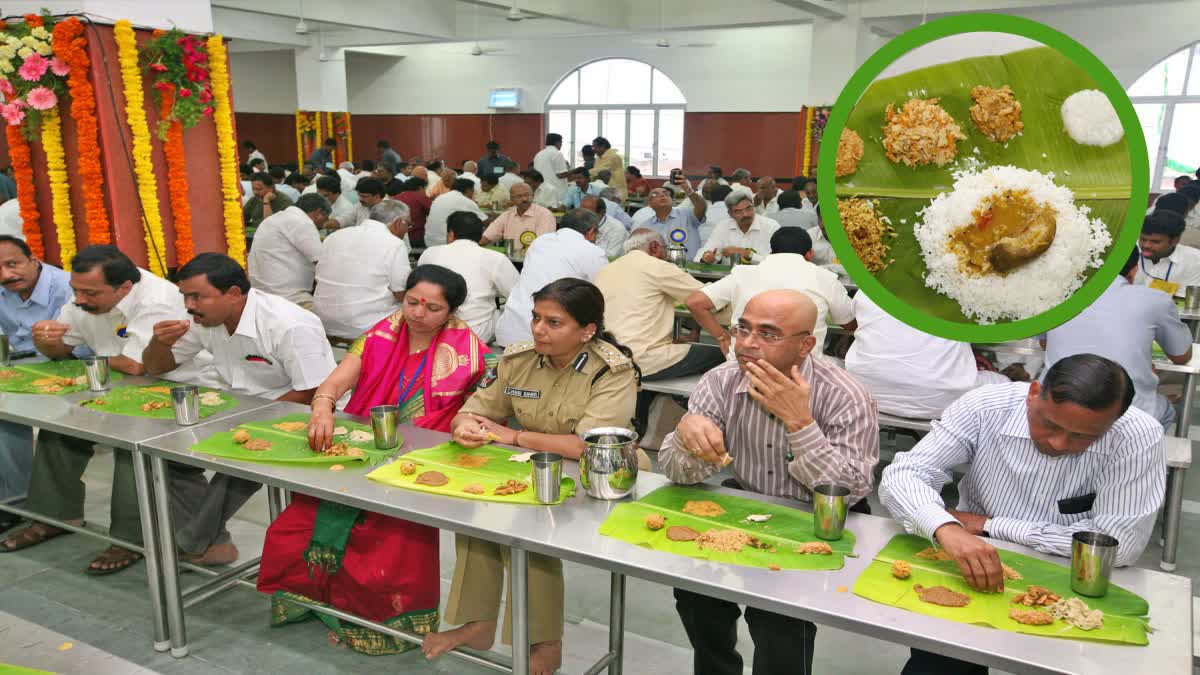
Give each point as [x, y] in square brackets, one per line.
[616, 361]
[518, 348]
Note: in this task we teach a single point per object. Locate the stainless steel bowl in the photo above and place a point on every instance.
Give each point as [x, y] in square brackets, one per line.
[608, 467]
[677, 255]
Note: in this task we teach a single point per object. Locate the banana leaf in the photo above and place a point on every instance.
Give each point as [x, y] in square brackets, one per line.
[1125, 614]
[19, 379]
[711, 268]
[447, 458]
[290, 447]
[786, 529]
[1041, 79]
[128, 401]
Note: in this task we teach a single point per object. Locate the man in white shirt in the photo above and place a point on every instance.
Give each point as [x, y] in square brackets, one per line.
[370, 192]
[611, 234]
[766, 197]
[286, 248]
[544, 194]
[511, 176]
[278, 175]
[468, 172]
[262, 345]
[717, 212]
[362, 271]
[809, 188]
[489, 274]
[254, 152]
[1166, 264]
[569, 252]
[342, 212]
[823, 253]
[791, 212]
[461, 198]
[712, 178]
[740, 182]
[549, 162]
[11, 222]
[744, 237]
[787, 268]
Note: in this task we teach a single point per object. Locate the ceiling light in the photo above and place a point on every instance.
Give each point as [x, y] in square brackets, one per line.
[302, 27]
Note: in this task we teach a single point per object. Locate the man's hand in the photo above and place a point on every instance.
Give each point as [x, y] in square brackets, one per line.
[973, 522]
[709, 257]
[785, 396]
[735, 251]
[49, 333]
[167, 333]
[701, 438]
[977, 559]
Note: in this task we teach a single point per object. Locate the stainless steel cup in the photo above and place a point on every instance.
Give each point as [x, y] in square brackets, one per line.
[1092, 556]
[384, 420]
[510, 246]
[1192, 299]
[5, 351]
[186, 401]
[608, 467]
[96, 368]
[547, 476]
[829, 511]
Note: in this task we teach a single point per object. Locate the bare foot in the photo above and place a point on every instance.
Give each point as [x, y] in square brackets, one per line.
[217, 554]
[545, 658]
[476, 635]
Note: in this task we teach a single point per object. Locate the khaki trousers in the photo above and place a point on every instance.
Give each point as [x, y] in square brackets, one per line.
[479, 574]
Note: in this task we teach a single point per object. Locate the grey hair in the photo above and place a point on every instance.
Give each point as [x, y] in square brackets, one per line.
[735, 198]
[611, 194]
[641, 238]
[389, 210]
[580, 220]
[314, 201]
[739, 175]
[348, 166]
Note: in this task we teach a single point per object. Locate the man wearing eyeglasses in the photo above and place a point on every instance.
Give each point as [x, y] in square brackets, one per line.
[785, 422]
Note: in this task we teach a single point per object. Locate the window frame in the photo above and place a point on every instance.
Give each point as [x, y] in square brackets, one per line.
[1158, 162]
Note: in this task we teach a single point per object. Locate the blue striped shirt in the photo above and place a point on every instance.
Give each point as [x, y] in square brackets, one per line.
[1018, 487]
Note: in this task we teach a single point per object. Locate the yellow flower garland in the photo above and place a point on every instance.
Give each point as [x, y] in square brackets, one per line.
[218, 69]
[299, 138]
[807, 115]
[135, 115]
[60, 188]
[349, 140]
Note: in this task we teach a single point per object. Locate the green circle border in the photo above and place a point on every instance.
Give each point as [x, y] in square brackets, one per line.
[1126, 238]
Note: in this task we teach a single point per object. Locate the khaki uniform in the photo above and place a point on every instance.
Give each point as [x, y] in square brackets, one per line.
[598, 389]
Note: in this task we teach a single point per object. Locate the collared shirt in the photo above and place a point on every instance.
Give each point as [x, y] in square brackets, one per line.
[359, 271]
[1018, 487]
[617, 212]
[126, 329]
[717, 213]
[823, 253]
[548, 196]
[1181, 267]
[473, 178]
[573, 196]
[791, 217]
[344, 212]
[508, 180]
[681, 226]
[495, 199]
[549, 162]
[841, 445]
[277, 348]
[771, 207]
[443, 207]
[640, 293]
[728, 233]
[492, 167]
[489, 275]
[283, 259]
[553, 256]
[419, 205]
[252, 212]
[288, 191]
[511, 225]
[611, 237]
[51, 292]
[784, 271]
[611, 161]
[1121, 325]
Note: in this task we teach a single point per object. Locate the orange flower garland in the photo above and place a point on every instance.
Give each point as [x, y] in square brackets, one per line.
[71, 47]
[22, 157]
[177, 184]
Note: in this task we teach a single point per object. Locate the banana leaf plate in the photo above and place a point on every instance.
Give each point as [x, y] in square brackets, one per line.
[291, 447]
[39, 378]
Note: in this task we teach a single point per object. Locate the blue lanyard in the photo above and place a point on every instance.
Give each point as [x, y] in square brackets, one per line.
[1166, 278]
[406, 390]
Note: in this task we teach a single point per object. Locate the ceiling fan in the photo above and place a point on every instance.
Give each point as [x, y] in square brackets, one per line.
[477, 49]
[664, 42]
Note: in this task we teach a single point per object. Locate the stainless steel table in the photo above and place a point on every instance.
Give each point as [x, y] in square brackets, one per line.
[1192, 318]
[569, 532]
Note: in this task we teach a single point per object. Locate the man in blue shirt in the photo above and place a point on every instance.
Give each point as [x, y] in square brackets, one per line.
[30, 291]
[578, 188]
[677, 224]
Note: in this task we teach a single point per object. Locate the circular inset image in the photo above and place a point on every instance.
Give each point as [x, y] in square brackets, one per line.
[985, 166]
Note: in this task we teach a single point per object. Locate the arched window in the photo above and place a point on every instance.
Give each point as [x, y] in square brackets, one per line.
[635, 106]
[1167, 100]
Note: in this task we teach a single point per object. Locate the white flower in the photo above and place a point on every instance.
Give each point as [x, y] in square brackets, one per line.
[44, 49]
[13, 41]
[24, 52]
[7, 52]
[40, 32]
[6, 67]
[29, 41]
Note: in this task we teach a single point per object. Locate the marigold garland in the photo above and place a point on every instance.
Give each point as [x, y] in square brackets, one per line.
[177, 182]
[70, 46]
[22, 157]
[218, 67]
[60, 187]
[135, 115]
[806, 116]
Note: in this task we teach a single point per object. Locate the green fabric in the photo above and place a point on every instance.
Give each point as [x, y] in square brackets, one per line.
[358, 638]
[713, 268]
[18, 379]
[331, 531]
[289, 447]
[1124, 612]
[1041, 79]
[128, 401]
[786, 529]
[443, 458]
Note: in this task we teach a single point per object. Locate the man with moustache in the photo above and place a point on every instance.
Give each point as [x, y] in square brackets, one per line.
[262, 345]
[786, 422]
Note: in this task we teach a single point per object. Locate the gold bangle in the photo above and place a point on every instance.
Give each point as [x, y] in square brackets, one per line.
[312, 404]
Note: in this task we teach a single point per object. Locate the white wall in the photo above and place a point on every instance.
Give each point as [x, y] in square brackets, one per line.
[263, 82]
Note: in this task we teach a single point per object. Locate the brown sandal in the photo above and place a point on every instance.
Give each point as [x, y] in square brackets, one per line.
[119, 558]
[33, 535]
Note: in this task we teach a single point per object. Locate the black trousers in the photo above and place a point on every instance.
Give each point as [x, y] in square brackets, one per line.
[699, 359]
[927, 663]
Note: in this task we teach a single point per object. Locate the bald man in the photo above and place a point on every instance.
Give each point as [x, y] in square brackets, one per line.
[787, 423]
[766, 197]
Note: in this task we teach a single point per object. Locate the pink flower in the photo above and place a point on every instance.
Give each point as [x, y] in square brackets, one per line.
[41, 98]
[33, 68]
[12, 114]
[208, 110]
[7, 89]
[205, 96]
[59, 67]
[162, 85]
[184, 92]
[158, 67]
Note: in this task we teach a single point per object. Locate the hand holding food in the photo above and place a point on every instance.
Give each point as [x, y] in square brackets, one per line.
[320, 429]
[49, 332]
[977, 559]
[700, 437]
[709, 257]
[168, 333]
[472, 431]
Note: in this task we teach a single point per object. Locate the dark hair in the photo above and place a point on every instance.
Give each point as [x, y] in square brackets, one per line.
[585, 303]
[18, 242]
[1191, 191]
[1173, 201]
[463, 185]
[454, 286]
[465, 225]
[435, 165]
[1168, 222]
[587, 151]
[414, 183]
[276, 172]
[386, 166]
[489, 178]
[580, 220]
[715, 169]
[791, 240]
[117, 266]
[249, 145]
[402, 166]
[264, 178]
[790, 199]
[602, 142]
[633, 171]
[553, 139]
[719, 193]
[367, 165]
[535, 175]
[222, 272]
[329, 184]
[244, 169]
[314, 201]
[296, 177]
[1091, 381]
[1135, 256]
[382, 144]
[492, 145]
[369, 186]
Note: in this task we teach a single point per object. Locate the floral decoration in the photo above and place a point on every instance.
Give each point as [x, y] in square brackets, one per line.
[178, 63]
[177, 182]
[218, 69]
[70, 46]
[31, 75]
[60, 187]
[21, 157]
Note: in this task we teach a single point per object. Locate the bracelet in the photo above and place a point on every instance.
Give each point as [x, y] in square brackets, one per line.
[517, 440]
[327, 397]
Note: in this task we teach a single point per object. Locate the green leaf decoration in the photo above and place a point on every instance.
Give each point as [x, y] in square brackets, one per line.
[289, 447]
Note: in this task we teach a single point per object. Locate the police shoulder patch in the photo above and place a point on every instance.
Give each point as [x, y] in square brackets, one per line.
[612, 357]
[518, 348]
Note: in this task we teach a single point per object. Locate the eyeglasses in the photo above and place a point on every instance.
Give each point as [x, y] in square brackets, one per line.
[742, 332]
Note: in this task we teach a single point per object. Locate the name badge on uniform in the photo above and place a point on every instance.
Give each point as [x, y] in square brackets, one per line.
[522, 393]
[1168, 287]
[122, 332]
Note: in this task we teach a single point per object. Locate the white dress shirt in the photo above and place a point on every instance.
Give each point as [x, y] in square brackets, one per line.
[743, 189]
[611, 237]
[508, 180]
[771, 206]
[256, 154]
[11, 222]
[549, 196]
[727, 233]
[823, 253]
[471, 177]
[790, 217]
[288, 191]
[489, 275]
[283, 259]
[349, 180]
[717, 213]
[277, 348]
[344, 212]
[617, 212]
[551, 257]
[443, 207]
[549, 162]
[1018, 487]
[247, 191]
[360, 270]
[1181, 267]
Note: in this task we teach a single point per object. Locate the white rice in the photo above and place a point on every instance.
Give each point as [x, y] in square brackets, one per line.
[1090, 119]
[1044, 282]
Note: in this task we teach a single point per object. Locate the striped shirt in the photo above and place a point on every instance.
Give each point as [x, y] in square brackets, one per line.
[841, 446]
[1019, 487]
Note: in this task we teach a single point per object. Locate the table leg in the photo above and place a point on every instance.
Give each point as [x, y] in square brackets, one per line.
[1195, 326]
[1173, 510]
[616, 623]
[170, 563]
[519, 569]
[1184, 424]
[150, 539]
[276, 501]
